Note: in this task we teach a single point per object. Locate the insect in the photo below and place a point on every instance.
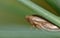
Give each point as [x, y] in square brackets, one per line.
[41, 23]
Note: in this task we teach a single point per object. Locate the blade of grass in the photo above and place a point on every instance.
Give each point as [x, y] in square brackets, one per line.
[42, 12]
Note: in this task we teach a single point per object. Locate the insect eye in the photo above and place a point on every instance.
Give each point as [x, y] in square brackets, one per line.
[42, 23]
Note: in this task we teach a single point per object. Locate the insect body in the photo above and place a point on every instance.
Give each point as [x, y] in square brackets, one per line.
[41, 23]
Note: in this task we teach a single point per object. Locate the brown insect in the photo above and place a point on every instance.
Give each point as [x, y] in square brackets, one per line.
[41, 23]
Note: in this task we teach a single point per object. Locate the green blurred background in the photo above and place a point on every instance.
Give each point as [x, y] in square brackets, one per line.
[14, 25]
